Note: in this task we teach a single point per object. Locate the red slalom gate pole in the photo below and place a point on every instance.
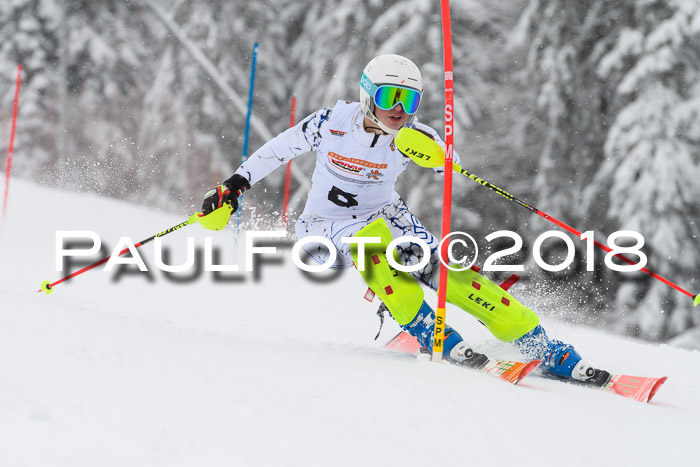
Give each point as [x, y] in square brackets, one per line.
[12, 142]
[288, 176]
[439, 332]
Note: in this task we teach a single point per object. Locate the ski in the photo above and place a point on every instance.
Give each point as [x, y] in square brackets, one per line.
[507, 370]
[639, 388]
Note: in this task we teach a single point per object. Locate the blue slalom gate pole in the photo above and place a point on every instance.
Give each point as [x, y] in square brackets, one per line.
[247, 126]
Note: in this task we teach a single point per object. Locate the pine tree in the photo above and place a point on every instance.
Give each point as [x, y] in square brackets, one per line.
[27, 35]
[617, 91]
[652, 155]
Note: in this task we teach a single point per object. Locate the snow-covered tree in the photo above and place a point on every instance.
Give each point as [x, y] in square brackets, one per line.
[618, 94]
[28, 37]
[563, 42]
[653, 154]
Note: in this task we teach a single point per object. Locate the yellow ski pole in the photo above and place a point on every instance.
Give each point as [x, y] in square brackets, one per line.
[216, 220]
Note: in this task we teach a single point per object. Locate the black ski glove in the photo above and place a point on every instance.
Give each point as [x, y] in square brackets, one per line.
[227, 192]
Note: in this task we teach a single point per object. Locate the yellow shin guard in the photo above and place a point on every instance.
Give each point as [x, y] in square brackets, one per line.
[398, 290]
[504, 316]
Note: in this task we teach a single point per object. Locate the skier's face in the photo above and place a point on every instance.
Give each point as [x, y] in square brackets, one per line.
[394, 118]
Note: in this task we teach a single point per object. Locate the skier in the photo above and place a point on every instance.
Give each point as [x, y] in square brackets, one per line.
[352, 195]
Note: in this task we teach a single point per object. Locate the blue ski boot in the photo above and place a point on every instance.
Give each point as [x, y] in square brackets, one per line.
[559, 358]
[455, 349]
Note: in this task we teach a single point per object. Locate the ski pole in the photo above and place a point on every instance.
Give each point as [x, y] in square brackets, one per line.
[216, 220]
[425, 152]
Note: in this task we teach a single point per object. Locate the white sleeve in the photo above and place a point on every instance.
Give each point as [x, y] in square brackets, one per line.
[299, 139]
[455, 157]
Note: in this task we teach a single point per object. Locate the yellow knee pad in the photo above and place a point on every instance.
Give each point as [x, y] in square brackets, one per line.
[503, 315]
[398, 290]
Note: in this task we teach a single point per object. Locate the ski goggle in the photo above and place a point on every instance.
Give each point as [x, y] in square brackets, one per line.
[388, 96]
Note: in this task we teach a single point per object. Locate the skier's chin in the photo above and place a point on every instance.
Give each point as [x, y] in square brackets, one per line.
[395, 123]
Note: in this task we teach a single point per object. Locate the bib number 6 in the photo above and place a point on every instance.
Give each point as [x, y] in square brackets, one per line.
[342, 198]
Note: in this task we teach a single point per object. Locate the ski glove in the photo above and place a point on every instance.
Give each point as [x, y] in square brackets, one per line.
[228, 192]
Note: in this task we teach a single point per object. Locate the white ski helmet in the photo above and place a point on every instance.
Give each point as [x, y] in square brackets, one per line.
[388, 69]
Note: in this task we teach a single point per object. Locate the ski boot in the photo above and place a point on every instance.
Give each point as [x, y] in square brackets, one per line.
[455, 349]
[558, 358]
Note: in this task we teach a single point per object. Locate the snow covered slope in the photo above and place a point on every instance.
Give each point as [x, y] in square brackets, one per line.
[276, 369]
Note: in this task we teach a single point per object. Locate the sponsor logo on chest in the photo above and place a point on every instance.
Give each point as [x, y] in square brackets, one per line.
[355, 166]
